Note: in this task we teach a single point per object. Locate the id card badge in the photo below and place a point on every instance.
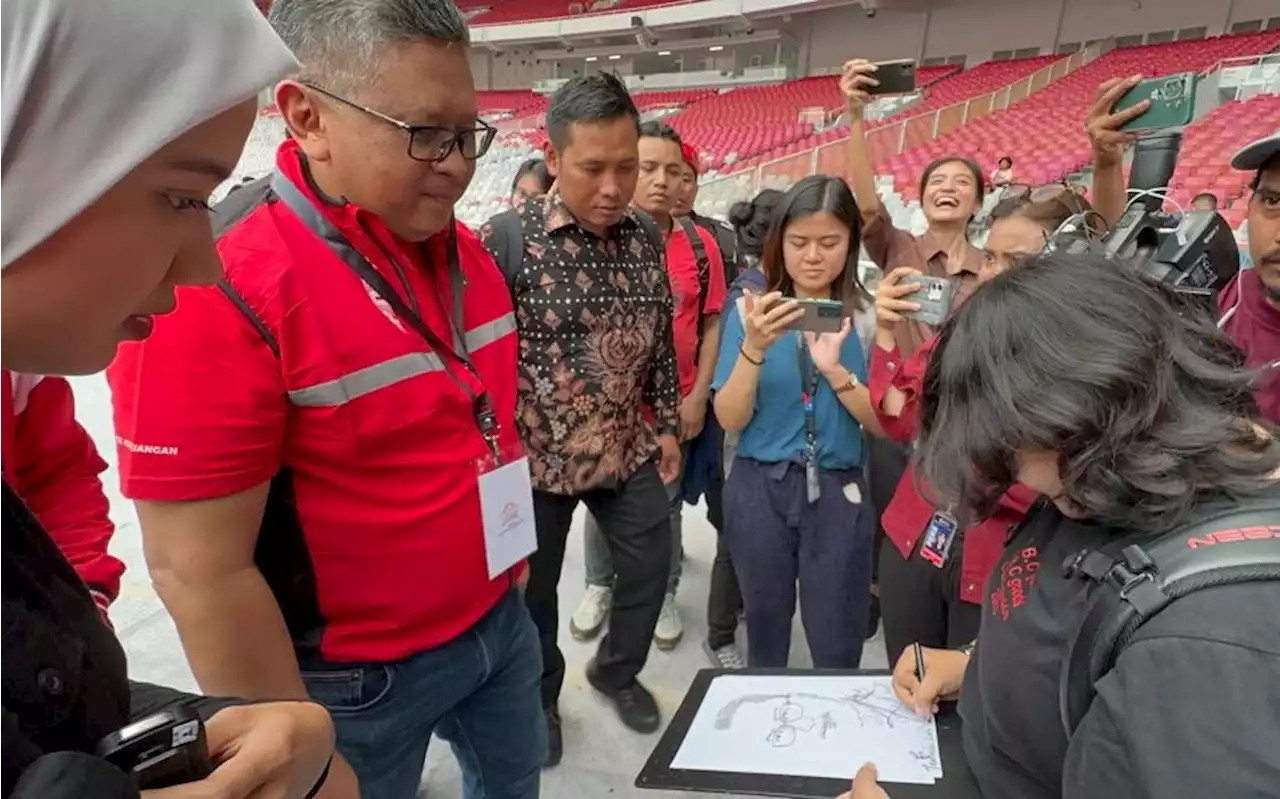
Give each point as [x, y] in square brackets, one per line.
[506, 508]
[812, 488]
[938, 537]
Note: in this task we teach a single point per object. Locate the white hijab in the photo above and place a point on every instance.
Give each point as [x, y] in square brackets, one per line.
[92, 88]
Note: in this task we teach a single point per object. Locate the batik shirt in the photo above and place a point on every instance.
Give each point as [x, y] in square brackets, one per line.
[597, 371]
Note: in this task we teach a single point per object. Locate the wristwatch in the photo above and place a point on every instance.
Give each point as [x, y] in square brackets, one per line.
[849, 386]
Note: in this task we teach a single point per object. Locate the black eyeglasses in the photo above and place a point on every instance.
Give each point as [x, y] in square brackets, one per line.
[429, 143]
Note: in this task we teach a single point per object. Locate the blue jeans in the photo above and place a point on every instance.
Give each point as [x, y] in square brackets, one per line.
[778, 539]
[479, 692]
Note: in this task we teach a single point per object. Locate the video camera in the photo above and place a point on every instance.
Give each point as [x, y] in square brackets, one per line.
[1194, 252]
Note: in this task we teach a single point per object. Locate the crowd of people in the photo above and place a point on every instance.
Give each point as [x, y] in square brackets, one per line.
[356, 432]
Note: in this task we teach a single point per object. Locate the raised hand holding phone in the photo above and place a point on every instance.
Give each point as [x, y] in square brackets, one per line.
[766, 319]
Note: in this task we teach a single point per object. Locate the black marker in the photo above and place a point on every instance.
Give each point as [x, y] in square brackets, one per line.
[919, 661]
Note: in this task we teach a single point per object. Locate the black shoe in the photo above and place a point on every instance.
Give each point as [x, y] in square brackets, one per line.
[635, 705]
[555, 738]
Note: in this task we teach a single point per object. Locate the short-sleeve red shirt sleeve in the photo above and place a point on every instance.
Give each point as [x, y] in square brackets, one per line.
[200, 406]
[716, 288]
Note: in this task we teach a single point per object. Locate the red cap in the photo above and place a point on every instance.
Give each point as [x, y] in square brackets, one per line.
[690, 156]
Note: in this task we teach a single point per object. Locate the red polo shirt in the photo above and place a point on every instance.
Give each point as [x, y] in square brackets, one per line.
[378, 444]
[682, 271]
[908, 514]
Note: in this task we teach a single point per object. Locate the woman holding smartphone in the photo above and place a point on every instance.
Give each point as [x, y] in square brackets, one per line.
[795, 498]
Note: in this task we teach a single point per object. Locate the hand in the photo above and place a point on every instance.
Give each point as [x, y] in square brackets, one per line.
[272, 750]
[693, 415]
[669, 463]
[943, 675]
[1103, 127]
[824, 350]
[890, 305]
[854, 82]
[341, 782]
[767, 318]
[865, 785]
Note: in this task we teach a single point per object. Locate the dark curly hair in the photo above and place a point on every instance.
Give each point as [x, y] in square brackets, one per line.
[1144, 400]
[751, 220]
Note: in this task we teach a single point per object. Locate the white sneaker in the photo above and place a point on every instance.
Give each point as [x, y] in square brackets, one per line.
[669, 629]
[726, 657]
[588, 618]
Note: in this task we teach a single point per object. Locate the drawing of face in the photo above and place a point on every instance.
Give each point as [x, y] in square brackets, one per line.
[782, 736]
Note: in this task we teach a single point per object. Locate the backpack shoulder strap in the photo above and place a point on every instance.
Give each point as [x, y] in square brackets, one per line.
[508, 234]
[1134, 583]
[704, 263]
[652, 232]
[225, 215]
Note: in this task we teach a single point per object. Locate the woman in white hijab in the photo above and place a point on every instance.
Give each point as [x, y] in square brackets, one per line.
[119, 119]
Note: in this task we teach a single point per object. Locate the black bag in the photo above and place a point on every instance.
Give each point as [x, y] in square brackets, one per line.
[1136, 581]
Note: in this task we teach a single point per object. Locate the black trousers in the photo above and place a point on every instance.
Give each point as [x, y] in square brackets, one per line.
[886, 462]
[635, 523]
[724, 599]
[921, 602]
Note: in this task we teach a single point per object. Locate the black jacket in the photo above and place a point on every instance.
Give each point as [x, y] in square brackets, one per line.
[65, 684]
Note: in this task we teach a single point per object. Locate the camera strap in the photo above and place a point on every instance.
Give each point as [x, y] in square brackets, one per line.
[808, 391]
[449, 356]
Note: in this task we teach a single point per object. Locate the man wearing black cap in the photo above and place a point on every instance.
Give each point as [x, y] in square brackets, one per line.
[1249, 308]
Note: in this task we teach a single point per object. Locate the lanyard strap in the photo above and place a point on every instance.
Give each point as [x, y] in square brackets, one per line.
[808, 392]
[338, 243]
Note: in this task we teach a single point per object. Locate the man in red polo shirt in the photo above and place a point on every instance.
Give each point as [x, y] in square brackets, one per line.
[1250, 306]
[323, 448]
[698, 290]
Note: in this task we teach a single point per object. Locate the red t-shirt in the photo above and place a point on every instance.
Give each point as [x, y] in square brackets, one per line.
[909, 513]
[682, 269]
[380, 443]
[1254, 325]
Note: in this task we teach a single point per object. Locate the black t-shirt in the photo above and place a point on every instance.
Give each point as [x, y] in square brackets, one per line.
[1191, 709]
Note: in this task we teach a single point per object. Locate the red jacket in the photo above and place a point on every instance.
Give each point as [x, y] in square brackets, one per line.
[52, 463]
[908, 514]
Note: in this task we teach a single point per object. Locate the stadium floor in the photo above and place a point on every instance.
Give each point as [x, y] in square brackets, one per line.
[601, 758]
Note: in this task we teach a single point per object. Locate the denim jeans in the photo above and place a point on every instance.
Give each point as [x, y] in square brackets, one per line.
[479, 692]
[599, 566]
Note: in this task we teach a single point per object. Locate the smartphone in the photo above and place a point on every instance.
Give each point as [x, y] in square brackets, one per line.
[896, 77]
[935, 296]
[162, 750]
[1173, 102]
[820, 316]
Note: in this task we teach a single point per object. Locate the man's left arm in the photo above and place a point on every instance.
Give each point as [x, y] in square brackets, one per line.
[1181, 716]
[56, 471]
[662, 384]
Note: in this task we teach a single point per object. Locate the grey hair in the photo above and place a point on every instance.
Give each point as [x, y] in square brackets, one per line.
[339, 42]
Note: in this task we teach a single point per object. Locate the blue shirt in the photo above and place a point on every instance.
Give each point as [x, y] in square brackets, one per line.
[776, 430]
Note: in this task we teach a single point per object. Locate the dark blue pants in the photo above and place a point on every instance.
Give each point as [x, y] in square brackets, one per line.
[778, 539]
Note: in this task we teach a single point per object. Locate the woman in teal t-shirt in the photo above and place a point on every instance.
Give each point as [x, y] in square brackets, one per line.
[795, 501]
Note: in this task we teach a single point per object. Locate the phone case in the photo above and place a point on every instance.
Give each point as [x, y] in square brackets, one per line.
[1173, 101]
[896, 77]
[935, 297]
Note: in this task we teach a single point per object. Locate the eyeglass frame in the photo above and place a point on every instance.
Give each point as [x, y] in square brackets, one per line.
[484, 129]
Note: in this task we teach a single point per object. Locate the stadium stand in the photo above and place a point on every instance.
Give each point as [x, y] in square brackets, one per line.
[497, 12]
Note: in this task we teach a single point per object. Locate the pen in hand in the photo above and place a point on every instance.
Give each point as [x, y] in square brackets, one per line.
[919, 653]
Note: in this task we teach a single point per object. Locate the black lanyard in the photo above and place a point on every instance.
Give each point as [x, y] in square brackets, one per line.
[809, 393]
[338, 243]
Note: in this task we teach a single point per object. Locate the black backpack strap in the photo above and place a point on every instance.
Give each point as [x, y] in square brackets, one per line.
[1135, 582]
[508, 245]
[652, 232]
[224, 216]
[704, 265]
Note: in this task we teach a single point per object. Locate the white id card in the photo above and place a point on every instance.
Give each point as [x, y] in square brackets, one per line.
[506, 507]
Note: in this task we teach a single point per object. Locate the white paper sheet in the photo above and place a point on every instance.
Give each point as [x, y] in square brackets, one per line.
[809, 726]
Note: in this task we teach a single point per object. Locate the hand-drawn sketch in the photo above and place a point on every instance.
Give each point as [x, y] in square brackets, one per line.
[809, 725]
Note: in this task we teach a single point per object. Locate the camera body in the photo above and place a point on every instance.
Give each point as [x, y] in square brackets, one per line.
[1194, 253]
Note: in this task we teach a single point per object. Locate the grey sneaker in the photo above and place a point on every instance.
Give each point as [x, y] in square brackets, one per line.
[669, 629]
[726, 657]
[588, 618]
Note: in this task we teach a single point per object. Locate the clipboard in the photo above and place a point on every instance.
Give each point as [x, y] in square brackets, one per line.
[956, 783]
